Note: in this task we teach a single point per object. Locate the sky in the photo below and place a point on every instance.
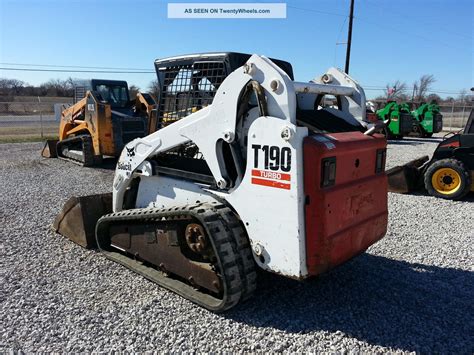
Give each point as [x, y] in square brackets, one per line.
[392, 40]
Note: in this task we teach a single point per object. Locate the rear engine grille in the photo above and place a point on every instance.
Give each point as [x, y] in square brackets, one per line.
[406, 123]
[128, 137]
[133, 126]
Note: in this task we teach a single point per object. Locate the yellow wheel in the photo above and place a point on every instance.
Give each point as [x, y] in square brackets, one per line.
[448, 178]
[446, 181]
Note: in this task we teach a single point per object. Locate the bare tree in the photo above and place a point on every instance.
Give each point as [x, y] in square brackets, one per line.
[16, 85]
[11, 86]
[58, 87]
[133, 90]
[154, 88]
[395, 90]
[462, 97]
[424, 85]
[433, 97]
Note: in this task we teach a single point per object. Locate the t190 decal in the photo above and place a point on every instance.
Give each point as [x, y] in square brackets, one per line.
[277, 164]
[274, 157]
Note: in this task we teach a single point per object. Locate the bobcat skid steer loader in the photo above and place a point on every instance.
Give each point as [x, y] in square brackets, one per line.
[262, 177]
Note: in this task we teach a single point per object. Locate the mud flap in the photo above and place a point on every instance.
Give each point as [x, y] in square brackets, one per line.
[49, 149]
[406, 178]
[79, 216]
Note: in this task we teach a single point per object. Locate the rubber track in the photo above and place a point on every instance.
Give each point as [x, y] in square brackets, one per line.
[248, 264]
[226, 236]
[87, 151]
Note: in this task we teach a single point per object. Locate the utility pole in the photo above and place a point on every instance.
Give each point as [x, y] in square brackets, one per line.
[415, 90]
[349, 37]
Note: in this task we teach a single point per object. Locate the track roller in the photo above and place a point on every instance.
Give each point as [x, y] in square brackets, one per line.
[76, 149]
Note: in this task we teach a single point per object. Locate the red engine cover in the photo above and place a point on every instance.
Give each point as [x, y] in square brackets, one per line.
[344, 219]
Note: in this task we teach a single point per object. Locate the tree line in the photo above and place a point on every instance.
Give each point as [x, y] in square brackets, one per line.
[420, 91]
[397, 90]
[56, 88]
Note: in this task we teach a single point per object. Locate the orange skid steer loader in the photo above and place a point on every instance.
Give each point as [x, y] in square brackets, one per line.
[101, 121]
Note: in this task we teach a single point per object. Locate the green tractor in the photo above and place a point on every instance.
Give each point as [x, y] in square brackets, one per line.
[427, 120]
[401, 120]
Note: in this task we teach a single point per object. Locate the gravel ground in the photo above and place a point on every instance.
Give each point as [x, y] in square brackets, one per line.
[412, 291]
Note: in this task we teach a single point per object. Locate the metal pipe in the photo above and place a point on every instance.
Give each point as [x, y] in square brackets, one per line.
[314, 88]
[41, 116]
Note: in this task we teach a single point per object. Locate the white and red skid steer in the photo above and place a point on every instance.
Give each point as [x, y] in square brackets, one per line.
[251, 170]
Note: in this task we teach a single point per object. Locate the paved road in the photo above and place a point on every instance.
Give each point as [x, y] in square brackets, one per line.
[25, 120]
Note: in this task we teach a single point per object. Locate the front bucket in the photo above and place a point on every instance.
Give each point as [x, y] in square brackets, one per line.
[49, 149]
[79, 216]
[406, 178]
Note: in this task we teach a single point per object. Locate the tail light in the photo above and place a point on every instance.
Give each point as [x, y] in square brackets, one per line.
[328, 171]
[380, 161]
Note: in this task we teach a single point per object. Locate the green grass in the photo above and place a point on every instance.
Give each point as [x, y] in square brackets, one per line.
[20, 134]
[24, 138]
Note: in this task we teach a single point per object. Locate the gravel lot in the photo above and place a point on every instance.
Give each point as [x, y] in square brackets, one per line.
[412, 291]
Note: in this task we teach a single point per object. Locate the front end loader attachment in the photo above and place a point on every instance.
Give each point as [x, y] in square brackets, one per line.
[79, 216]
[406, 178]
[49, 149]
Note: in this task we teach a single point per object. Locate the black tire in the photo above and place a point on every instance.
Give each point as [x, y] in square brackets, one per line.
[459, 190]
[424, 134]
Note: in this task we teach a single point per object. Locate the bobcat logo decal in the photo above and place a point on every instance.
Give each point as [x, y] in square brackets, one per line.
[130, 152]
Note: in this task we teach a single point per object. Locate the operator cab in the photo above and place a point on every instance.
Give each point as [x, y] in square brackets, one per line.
[189, 83]
[113, 92]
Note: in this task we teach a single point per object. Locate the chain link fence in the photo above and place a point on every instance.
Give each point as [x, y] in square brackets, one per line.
[34, 117]
[455, 116]
[30, 118]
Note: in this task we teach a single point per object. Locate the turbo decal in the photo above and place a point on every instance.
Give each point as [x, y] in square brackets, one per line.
[271, 175]
[271, 179]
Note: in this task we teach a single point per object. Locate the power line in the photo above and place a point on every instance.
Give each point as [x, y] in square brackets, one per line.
[78, 71]
[434, 91]
[337, 39]
[70, 66]
[318, 11]
[384, 26]
[366, 87]
[418, 19]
